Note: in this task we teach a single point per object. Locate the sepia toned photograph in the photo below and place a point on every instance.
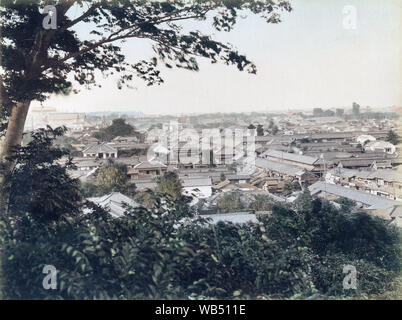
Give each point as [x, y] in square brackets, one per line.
[202, 155]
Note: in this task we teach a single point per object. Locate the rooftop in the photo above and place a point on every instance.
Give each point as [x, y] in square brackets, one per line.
[196, 182]
[278, 167]
[387, 175]
[103, 147]
[114, 203]
[290, 156]
[374, 202]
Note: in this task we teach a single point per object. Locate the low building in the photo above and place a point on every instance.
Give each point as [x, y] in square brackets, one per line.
[355, 163]
[303, 161]
[198, 187]
[371, 204]
[284, 172]
[115, 203]
[381, 182]
[146, 169]
[100, 150]
[362, 139]
[129, 139]
[383, 146]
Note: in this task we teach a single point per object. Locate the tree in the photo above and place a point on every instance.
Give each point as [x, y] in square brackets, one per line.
[304, 201]
[260, 130]
[261, 203]
[274, 129]
[169, 184]
[339, 112]
[119, 127]
[230, 202]
[37, 62]
[356, 109]
[38, 184]
[113, 177]
[318, 112]
[392, 137]
[328, 113]
[289, 187]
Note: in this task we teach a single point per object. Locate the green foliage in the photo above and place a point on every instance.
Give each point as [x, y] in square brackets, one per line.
[392, 137]
[89, 190]
[318, 112]
[111, 178]
[288, 188]
[132, 152]
[36, 177]
[346, 203]
[261, 203]
[339, 112]
[169, 184]
[356, 109]
[64, 142]
[260, 130]
[38, 62]
[119, 127]
[230, 202]
[274, 129]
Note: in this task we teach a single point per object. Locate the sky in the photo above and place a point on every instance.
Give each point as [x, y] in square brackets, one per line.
[318, 56]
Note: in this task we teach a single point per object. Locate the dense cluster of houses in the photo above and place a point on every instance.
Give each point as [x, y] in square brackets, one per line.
[335, 158]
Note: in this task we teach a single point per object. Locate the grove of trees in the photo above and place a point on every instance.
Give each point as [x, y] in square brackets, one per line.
[119, 127]
[393, 137]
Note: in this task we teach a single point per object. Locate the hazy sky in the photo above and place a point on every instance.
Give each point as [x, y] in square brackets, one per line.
[309, 60]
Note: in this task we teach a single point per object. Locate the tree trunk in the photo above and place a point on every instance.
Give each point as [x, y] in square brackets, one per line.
[13, 137]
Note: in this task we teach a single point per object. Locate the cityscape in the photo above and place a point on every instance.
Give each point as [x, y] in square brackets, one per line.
[201, 154]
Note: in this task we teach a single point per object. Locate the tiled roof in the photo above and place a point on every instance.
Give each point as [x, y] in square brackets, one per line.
[278, 167]
[99, 148]
[114, 203]
[196, 182]
[149, 165]
[368, 199]
[387, 175]
[290, 156]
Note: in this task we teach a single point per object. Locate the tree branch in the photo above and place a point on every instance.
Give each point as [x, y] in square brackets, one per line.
[82, 17]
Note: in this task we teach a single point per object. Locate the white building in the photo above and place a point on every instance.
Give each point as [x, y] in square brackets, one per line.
[362, 139]
[115, 203]
[199, 188]
[383, 146]
[100, 150]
